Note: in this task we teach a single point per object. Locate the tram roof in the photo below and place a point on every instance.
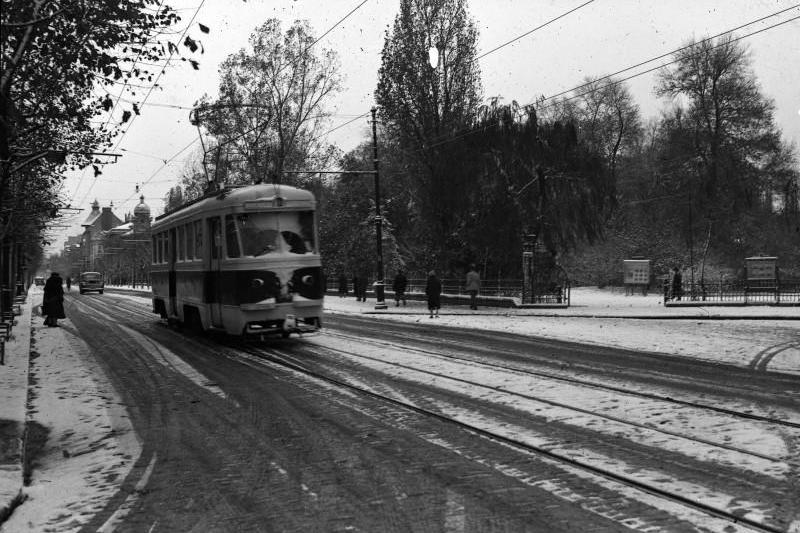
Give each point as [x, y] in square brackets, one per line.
[239, 196]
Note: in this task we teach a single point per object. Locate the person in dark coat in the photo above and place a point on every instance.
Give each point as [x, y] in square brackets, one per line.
[433, 290]
[69, 284]
[362, 287]
[677, 284]
[53, 300]
[399, 287]
[343, 285]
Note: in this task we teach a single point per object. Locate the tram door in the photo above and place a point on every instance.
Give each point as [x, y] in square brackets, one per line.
[172, 250]
[215, 288]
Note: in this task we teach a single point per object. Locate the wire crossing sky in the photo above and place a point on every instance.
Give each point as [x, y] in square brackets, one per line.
[527, 50]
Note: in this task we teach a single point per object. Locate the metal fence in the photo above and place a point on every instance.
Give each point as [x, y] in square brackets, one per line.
[760, 292]
[511, 288]
[490, 288]
[508, 288]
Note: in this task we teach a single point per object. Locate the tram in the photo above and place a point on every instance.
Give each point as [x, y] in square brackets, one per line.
[243, 260]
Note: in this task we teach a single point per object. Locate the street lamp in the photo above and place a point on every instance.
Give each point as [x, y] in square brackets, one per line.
[433, 56]
[380, 302]
[380, 298]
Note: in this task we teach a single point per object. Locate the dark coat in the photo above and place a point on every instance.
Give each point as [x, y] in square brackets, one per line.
[433, 290]
[53, 300]
[399, 284]
[677, 284]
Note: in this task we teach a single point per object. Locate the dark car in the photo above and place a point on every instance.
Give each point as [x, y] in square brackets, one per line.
[91, 281]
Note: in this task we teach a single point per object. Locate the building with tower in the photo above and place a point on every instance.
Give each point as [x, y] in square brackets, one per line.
[128, 246]
[95, 226]
[119, 249]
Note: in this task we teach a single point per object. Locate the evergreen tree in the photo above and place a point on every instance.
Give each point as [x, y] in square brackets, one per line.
[425, 108]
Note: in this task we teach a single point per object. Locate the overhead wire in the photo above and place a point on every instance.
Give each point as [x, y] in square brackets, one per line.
[517, 38]
[662, 56]
[256, 127]
[149, 92]
[503, 45]
[117, 100]
[468, 131]
[302, 54]
[162, 167]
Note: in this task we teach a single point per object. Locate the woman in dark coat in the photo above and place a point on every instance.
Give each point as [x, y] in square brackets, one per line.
[343, 285]
[677, 284]
[399, 287]
[433, 290]
[53, 300]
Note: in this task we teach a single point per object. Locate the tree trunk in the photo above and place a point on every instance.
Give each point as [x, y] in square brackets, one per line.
[706, 246]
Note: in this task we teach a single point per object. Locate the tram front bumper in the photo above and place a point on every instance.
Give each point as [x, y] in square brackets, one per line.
[289, 324]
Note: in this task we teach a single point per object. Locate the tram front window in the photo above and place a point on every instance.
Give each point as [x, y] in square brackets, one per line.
[277, 233]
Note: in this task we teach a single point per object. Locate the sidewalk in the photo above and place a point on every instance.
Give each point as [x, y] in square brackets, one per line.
[732, 335]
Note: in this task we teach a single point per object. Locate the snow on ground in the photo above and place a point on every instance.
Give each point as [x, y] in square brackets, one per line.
[608, 318]
[13, 394]
[660, 424]
[90, 446]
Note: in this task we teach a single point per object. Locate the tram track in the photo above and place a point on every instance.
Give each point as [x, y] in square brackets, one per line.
[562, 405]
[574, 381]
[275, 357]
[658, 368]
[293, 360]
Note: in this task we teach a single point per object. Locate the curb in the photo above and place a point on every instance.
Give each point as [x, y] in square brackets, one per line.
[576, 315]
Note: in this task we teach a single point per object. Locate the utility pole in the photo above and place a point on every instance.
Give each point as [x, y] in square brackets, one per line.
[380, 302]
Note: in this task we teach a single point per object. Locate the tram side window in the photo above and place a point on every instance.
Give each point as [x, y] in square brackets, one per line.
[189, 241]
[215, 237]
[231, 239]
[198, 239]
[181, 243]
[158, 250]
[307, 229]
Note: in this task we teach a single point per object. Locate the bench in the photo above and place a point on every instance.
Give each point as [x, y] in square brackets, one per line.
[5, 334]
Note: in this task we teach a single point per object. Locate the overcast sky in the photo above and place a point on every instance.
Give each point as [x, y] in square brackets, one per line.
[600, 38]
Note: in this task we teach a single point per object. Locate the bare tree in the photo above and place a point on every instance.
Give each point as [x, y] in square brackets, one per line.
[271, 107]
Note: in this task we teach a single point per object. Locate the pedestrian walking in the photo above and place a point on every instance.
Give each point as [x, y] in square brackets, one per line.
[473, 286]
[343, 285]
[433, 290]
[399, 287]
[362, 287]
[677, 284]
[69, 284]
[53, 300]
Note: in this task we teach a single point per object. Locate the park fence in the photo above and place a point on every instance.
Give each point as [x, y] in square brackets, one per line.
[735, 292]
[493, 291]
